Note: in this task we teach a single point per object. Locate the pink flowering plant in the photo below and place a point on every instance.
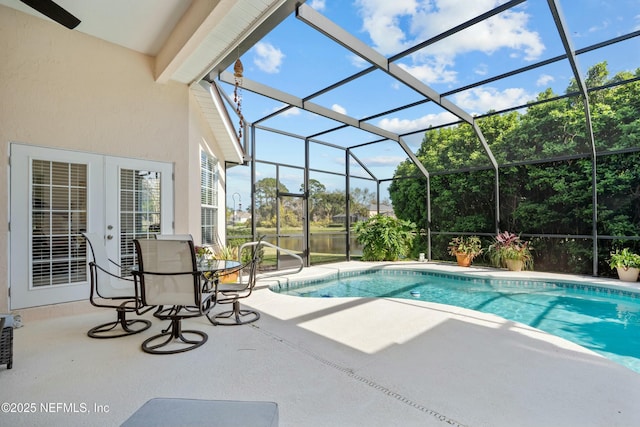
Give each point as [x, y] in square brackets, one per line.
[509, 246]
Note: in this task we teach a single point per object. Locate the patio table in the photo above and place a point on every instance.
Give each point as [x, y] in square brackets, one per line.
[210, 270]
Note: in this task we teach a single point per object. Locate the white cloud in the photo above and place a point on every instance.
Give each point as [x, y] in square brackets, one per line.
[596, 28]
[479, 100]
[544, 80]
[476, 101]
[294, 111]
[317, 4]
[383, 160]
[394, 25]
[402, 126]
[505, 30]
[339, 109]
[268, 58]
[381, 20]
[357, 61]
[481, 69]
[430, 73]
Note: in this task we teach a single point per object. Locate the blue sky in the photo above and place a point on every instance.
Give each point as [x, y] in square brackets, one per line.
[299, 60]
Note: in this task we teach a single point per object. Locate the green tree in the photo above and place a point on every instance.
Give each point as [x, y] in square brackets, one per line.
[265, 200]
[360, 200]
[332, 204]
[550, 197]
[316, 190]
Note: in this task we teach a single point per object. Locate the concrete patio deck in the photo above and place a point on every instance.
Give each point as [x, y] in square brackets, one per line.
[326, 362]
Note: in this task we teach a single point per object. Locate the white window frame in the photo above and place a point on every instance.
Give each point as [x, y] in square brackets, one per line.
[209, 181]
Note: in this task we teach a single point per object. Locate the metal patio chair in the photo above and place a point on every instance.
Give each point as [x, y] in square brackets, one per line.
[110, 290]
[174, 237]
[169, 280]
[232, 293]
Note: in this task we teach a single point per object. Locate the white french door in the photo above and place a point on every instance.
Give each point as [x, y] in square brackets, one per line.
[139, 200]
[56, 195]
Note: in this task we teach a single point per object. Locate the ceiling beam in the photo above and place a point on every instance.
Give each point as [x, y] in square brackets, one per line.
[189, 33]
[571, 55]
[269, 92]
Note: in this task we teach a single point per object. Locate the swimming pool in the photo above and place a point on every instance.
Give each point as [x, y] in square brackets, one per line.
[601, 319]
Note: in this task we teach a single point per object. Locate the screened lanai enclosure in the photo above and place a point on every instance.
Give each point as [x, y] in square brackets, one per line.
[466, 118]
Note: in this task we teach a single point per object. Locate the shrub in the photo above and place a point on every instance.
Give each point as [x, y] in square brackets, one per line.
[385, 238]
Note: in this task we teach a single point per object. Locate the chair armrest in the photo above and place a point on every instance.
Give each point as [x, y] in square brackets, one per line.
[166, 273]
[115, 263]
[93, 264]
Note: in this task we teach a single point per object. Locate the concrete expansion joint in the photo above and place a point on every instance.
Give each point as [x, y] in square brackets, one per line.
[371, 383]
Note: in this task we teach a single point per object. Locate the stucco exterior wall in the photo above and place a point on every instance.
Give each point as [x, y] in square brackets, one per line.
[61, 88]
[201, 137]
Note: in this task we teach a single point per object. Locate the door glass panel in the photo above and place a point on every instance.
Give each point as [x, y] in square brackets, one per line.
[58, 215]
[139, 210]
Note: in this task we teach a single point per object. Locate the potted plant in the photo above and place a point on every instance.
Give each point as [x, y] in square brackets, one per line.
[202, 253]
[227, 253]
[465, 249]
[626, 263]
[510, 251]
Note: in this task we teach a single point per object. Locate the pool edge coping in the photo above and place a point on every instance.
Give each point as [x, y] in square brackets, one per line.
[328, 271]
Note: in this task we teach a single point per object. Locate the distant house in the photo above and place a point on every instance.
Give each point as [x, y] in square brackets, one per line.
[341, 218]
[242, 217]
[386, 210]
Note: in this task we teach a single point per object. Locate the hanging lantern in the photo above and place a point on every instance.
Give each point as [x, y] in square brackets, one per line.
[238, 69]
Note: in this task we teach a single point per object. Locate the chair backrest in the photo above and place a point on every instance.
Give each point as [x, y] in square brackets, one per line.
[174, 237]
[168, 272]
[257, 253]
[253, 265]
[105, 281]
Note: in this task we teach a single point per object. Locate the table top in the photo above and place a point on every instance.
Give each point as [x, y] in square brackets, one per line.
[208, 266]
[214, 265]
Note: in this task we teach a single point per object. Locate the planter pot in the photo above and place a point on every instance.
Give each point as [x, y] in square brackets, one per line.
[629, 274]
[514, 264]
[464, 260]
[229, 277]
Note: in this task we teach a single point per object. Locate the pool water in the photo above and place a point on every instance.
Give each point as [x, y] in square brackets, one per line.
[603, 320]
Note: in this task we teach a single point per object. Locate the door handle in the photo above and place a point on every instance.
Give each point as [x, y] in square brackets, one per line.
[109, 237]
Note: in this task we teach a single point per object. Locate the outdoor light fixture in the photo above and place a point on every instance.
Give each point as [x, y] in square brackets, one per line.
[237, 94]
